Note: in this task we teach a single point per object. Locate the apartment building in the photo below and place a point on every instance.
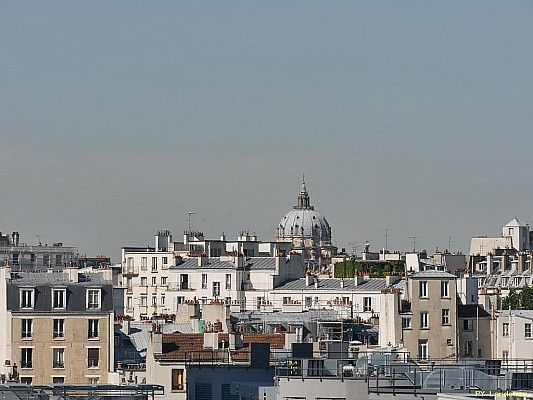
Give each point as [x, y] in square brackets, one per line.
[423, 318]
[57, 327]
[22, 256]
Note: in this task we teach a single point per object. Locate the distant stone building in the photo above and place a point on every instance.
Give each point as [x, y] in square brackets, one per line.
[308, 231]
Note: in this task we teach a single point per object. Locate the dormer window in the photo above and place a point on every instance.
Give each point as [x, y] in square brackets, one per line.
[59, 298]
[93, 299]
[26, 298]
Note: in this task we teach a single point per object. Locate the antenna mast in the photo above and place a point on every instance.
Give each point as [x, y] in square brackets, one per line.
[413, 238]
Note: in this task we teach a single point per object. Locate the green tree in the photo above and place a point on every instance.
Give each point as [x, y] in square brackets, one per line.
[512, 300]
[526, 298]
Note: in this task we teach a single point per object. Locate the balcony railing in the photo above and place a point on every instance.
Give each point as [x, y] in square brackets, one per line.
[58, 364]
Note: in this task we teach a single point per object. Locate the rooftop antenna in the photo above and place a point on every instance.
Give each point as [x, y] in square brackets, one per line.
[354, 247]
[450, 243]
[413, 238]
[39, 237]
[386, 230]
[189, 221]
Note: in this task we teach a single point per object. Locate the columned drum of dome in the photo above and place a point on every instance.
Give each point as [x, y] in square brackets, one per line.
[307, 230]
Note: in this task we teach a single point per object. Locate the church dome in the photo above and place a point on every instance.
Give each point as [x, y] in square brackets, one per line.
[303, 221]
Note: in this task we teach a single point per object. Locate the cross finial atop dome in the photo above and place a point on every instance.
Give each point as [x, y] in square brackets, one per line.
[304, 189]
[304, 202]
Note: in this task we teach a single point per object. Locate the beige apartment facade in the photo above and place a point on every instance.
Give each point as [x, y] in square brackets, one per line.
[61, 327]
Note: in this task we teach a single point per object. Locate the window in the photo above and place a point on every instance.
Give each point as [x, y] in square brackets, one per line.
[93, 356]
[184, 281]
[26, 298]
[27, 328]
[527, 330]
[424, 319]
[26, 358]
[286, 300]
[367, 304]
[468, 348]
[154, 280]
[129, 265]
[406, 323]
[505, 329]
[93, 331]
[58, 298]
[129, 303]
[93, 380]
[308, 302]
[165, 260]
[154, 264]
[468, 324]
[58, 379]
[505, 354]
[162, 300]
[144, 263]
[228, 281]
[216, 289]
[58, 260]
[445, 316]
[163, 281]
[445, 289]
[422, 349]
[129, 284]
[154, 300]
[59, 328]
[177, 379]
[423, 289]
[93, 299]
[26, 380]
[58, 358]
[204, 281]
[144, 281]
[144, 301]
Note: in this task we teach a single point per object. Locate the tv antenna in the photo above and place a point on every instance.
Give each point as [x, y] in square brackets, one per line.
[189, 221]
[39, 238]
[413, 238]
[386, 234]
[354, 247]
[450, 243]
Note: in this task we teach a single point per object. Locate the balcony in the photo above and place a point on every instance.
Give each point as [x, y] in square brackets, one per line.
[130, 271]
[58, 364]
[93, 363]
[179, 286]
[26, 364]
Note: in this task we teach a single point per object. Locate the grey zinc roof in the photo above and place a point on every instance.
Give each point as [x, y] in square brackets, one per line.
[261, 263]
[373, 284]
[254, 263]
[280, 317]
[56, 278]
[433, 274]
[213, 263]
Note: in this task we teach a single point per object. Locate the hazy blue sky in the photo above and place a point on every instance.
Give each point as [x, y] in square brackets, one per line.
[119, 117]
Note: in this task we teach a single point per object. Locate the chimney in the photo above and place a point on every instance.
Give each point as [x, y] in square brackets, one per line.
[391, 280]
[71, 270]
[126, 326]
[342, 283]
[521, 262]
[186, 237]
[15, 237]
[358, 279]
[235, 341]
[157, 342]
[223, 237]
[202, 260]
[309, 280]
